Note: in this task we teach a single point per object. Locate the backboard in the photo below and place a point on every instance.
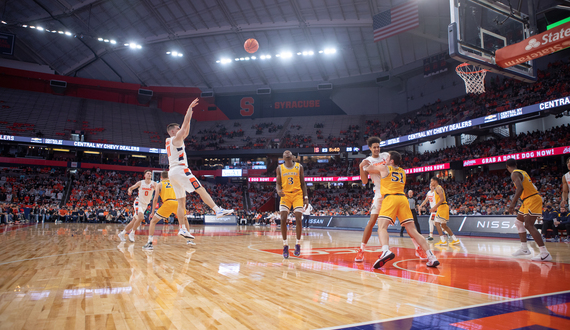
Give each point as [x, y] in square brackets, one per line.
[479, 27]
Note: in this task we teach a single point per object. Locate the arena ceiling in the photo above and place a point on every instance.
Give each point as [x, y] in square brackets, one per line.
[205, 31]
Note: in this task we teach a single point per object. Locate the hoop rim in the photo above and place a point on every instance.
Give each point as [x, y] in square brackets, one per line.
[459, 71]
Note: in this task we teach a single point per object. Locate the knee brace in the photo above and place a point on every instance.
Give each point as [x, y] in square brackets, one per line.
[520, 226]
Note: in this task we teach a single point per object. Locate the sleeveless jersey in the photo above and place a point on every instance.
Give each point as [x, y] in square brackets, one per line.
[380, 160]
[290, 180]
[166, 191]
[437, 197]
[528, 187]
[394, 182]
[145, 192]
[176, 155]
[431, 198]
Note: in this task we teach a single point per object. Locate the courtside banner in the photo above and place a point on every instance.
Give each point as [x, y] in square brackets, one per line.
[225, 220]
[522, 155]
[311, 179]
[473, 225]
[534, 47]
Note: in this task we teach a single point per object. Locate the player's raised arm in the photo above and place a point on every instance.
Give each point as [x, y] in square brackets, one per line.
[278, 182]
[303, 186]
[185, 128]
[133, 187]
[157, 189]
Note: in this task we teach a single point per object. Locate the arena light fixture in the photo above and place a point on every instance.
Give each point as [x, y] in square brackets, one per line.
[106, 40]
[138, 156]
[24, 26]
[113, 42]
[39, 28]
[253, 58]
[62, 150]
[91, 152]
[237, 59]
[67, 33]
[262, 57]
[60, 32]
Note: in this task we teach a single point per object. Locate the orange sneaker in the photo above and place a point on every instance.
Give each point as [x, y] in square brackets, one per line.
[359, 255]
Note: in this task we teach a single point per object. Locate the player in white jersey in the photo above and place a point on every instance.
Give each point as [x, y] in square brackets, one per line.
[181, 177]
[375, 159]
[565, 201]
[145, 189]
[430, 197]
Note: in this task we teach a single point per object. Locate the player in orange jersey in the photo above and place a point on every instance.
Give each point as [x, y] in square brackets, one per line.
[145, 188]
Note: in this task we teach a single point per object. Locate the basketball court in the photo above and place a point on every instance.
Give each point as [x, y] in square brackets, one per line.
[78, 276]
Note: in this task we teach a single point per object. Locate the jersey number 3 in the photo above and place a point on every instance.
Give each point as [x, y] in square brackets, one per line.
[397, 177]
[290, 180]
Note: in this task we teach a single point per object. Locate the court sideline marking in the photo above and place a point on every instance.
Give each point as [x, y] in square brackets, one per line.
[442, 311]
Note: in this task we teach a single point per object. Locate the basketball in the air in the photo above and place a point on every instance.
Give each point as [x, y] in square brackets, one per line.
[251, 45]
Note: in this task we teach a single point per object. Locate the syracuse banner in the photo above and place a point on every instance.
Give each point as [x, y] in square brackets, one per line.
[534, 47]
[291, 104]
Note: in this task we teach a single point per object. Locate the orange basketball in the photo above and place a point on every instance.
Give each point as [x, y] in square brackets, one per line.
[251, 45]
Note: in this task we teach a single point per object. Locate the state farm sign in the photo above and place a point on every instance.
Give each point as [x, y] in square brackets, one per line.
[534, 47]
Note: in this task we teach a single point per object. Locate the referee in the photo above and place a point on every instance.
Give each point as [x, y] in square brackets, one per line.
[412, 203]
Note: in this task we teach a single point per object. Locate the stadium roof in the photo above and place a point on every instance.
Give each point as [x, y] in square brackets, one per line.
[209, 31]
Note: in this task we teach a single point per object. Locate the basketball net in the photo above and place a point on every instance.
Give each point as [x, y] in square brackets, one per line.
[473, 76]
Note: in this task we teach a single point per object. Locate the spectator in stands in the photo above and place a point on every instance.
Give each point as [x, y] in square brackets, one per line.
[548, 216]
[562, 222]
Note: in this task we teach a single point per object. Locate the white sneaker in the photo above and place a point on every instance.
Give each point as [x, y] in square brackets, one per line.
[223, 212]
[542, 257]
[520, 252]
[432, 263]
[122, 237]
[190, 243]
[132, 236]
[184, 233]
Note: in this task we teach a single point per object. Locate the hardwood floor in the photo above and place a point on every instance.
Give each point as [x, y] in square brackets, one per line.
[80, 276]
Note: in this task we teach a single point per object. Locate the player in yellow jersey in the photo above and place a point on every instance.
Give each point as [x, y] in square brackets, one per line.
[395, 205]
[441, 210]
[292, 189]
[530, 210]
[169, 205]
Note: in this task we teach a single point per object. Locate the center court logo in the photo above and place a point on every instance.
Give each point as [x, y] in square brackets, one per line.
[532, 43]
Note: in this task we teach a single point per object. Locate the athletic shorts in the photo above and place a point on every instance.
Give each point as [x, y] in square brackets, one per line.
[139, 207]
[167, 208]
[531, 205]
[292, 201]
[376, 204]
[396, 206]
[182, 181]
[442, 215]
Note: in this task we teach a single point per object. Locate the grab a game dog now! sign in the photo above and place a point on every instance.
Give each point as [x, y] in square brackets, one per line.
[518, 156]
[534, 47]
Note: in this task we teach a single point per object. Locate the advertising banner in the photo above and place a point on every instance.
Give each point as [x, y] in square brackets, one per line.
[482, 225]
[225, 220]
[518, 156]
[534, 47]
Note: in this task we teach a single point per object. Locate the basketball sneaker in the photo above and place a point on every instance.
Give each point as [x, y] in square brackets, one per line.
[542, 257]
[420, 253]
[430, 238]
[184, 233]
[122, 237]
[286, 251]
[384, 258]
[520, 252]
[297, 251]
[432, 263]
[359, 255]
[132, 236]
[455, 242]
[223, 212]
[441, 243]
[148, 246]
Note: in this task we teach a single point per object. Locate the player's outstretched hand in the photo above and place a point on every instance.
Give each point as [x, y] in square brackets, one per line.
[364, 163]
[193, 104]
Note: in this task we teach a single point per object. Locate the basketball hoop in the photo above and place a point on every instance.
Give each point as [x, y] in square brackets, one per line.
[473, 76]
